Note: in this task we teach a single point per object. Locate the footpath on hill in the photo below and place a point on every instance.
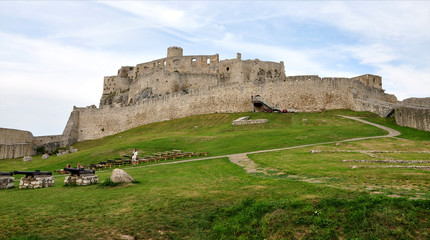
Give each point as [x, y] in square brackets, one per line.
[241, 159]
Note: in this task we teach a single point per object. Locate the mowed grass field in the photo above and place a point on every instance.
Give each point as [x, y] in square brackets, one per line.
[305, 196]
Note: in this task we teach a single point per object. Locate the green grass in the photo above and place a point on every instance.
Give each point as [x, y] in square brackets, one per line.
[214, 134]
[215, 199]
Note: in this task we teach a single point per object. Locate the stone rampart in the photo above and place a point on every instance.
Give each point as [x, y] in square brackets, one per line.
[417, 102]
[50, 143]
[11, 136]
[380, 108]
[415, 117]
[311, 95]
[15, 143]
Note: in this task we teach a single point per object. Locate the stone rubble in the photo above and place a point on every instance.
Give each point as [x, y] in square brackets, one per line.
[64, 152]
[245, 121]
[6, 182]
[27, 159]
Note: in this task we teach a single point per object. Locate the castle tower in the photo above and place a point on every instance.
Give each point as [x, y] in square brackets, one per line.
[174, 52]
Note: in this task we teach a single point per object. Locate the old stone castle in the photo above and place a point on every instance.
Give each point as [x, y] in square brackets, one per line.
[179, 86]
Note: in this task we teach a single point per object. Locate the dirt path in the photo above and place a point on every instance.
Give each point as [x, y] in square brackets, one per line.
[242, 159]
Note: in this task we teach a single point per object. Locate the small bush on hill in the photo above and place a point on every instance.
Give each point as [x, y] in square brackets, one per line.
[109, 183]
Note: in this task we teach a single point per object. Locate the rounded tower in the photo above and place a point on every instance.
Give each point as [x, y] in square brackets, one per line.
[174, 52]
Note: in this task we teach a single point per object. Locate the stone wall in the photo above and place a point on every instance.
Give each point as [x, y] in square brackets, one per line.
[370, 80]
[36, 182]
[15, 143]
[307, 95]
[49, 143]
[414, 117]
[380, 108]
[82, 180]
[417, 102]
[178, 73]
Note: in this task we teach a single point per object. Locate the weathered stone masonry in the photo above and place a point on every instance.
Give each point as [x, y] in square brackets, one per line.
[414, 112]
[15, 143]
[179, 86]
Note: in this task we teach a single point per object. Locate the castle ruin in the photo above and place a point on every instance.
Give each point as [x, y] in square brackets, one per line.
[178, 86]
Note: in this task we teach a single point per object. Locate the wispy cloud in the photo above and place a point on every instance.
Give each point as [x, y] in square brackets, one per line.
[53, 55]
[156, 14]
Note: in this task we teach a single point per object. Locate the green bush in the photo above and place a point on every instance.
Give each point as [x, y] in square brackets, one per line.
[108, 183]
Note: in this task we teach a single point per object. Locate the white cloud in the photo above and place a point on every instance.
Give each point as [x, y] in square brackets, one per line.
[297, 62]
[156, 14]
[58, 53]
[45, 75]
[405, 81]
[372, 54]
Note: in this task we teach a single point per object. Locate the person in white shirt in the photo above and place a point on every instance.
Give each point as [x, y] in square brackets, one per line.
[134, 157]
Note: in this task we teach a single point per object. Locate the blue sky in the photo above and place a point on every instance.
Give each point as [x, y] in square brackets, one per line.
[54, 54]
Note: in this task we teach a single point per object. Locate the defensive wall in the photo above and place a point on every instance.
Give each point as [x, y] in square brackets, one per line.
[15, 143]
[179, 86]
[18, 143]
[305, 95]
[414, 112]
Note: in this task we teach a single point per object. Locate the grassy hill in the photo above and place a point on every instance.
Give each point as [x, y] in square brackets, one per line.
[303, 196]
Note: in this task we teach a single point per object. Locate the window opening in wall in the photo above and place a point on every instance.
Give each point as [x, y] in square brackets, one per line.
[193, 60]
[164, 63]
[208, 61]
[227, 69]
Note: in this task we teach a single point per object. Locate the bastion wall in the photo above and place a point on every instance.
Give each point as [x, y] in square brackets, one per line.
[15, 143]
[305, 95]
[180, 86]
[414, 112]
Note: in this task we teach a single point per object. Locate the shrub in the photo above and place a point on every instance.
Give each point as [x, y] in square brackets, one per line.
[109, 183]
